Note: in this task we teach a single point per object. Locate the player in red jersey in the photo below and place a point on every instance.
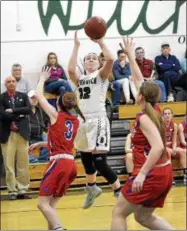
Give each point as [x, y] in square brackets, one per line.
[61, 170]
[170, 131]
[171, 138]
[182, 133]
[152, 176]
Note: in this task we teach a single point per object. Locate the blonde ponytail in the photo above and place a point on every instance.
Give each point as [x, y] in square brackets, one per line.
[157, 120]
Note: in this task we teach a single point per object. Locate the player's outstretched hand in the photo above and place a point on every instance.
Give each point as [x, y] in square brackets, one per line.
[46, 72]
[98, 41]
[34, 146]
[76, 40]
[137, 185]
[128, 45]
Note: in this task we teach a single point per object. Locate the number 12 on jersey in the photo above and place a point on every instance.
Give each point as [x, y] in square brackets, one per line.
[84, 92]
[68, 135]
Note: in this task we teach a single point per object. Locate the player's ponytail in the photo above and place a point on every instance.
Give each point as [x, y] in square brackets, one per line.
[150, 92]
[68, 101]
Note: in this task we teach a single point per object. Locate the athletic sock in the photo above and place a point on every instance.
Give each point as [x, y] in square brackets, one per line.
[91, 184]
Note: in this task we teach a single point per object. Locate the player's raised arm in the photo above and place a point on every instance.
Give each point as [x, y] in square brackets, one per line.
[128, 47]
[48, 109]
[106, 70]
[73, 61]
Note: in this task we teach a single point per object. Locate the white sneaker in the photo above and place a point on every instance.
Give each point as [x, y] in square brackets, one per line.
[92, 193]
[170, 97]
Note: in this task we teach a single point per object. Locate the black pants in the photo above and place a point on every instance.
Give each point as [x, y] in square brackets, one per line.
[183, 81]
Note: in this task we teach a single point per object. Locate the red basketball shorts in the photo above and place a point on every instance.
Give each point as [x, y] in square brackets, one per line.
[58, 177]
[155, 188]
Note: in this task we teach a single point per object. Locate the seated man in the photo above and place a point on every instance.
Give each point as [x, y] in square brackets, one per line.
[22, 85]
[147, 68]
[169, 69]
[122, 75]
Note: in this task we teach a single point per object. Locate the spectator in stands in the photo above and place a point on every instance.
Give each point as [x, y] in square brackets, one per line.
[182, 132]
[148, 71]
[122, 74]
[129, 155]
[57, 82]
[169, 69]
[184, 63]
[183, 80]
[114, 85]
[22, 84]
[37, 128]
[14, 108]
[171, 136]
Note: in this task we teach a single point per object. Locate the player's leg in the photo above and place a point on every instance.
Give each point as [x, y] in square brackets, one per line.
[101, 143]
[92, 189]
[53, 203]
[100, 160]
[44, 205]
[145, 217]
[182, 157]
[48, 188]
[121, 211]
[81, 143]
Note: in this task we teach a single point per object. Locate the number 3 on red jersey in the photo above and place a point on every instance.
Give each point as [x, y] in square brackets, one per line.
[69, 133]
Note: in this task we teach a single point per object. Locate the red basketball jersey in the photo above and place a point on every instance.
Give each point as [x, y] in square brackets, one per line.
[184, 124]
[158, 108]
[61, 135]
[169, 130]
[141, 146]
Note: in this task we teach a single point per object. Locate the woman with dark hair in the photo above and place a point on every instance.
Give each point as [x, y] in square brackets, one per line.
[57, 82]
[61, 171]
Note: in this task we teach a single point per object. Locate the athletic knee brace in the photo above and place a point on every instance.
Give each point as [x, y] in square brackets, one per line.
[104, 169]
[87, 161]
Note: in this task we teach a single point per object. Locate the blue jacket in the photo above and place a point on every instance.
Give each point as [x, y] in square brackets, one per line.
[121, 72]
[170, 64]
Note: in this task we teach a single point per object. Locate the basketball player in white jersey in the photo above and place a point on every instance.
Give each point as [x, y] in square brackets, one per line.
[93, 137]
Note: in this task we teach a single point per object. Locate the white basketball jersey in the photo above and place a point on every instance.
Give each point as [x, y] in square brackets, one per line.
[92, 92]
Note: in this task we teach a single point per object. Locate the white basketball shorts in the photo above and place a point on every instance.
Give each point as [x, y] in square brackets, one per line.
[93, 134]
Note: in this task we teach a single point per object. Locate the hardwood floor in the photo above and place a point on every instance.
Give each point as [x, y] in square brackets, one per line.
[24, 215]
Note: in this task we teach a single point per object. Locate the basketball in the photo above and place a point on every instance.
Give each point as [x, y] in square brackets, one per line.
[95, 27]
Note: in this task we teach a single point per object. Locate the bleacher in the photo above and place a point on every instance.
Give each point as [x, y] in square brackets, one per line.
[120, 126]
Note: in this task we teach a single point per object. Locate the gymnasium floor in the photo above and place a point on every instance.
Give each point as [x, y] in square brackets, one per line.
[23, 214]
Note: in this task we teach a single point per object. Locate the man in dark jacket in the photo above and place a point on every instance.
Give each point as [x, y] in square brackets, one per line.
[169, 69]
[14, 136]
